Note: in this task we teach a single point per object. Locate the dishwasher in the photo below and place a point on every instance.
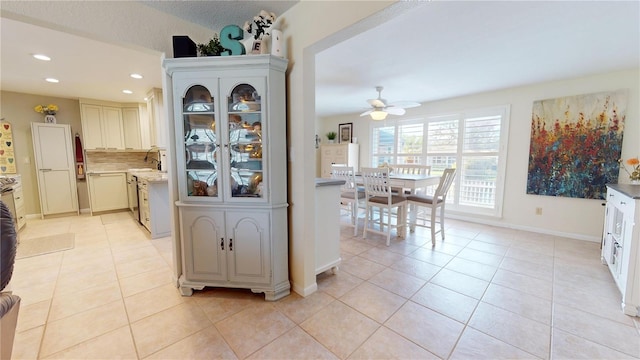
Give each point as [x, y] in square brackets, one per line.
[132, 192]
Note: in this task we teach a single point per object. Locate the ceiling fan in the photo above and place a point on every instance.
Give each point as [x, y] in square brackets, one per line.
[380, 108]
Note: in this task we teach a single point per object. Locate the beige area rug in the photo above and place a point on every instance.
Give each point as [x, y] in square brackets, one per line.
[115, 217]
[45, 245]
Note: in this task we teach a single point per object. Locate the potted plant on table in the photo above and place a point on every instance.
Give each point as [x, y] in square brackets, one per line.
[331, 135]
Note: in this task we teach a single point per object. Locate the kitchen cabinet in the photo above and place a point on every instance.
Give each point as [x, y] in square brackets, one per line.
[107, 191]
[55, 168]
[330, 154]
[153, 197]
[14, 200]
[620, 243]
[131, 128]
[157, 123]
[102, 127]
[229, 124]
[18, 202]
[226, 246]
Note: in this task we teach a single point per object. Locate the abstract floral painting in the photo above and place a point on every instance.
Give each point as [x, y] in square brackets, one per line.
[576, 142]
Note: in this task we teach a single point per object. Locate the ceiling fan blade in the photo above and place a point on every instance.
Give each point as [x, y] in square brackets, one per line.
[406, 104]
[377, 102]
[395, 110]
[367, 112]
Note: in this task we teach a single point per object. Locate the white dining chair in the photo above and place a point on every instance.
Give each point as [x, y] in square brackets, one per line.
[431, 202]
[378, 195]
[350, 196]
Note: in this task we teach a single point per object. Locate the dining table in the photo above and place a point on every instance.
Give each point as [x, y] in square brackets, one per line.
[411, 182]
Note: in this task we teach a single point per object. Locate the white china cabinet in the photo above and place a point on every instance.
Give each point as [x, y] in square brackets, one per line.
[230, 144]
[620, 243]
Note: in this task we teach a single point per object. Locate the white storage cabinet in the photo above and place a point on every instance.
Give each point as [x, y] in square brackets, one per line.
[55, 168]
[620, 244]
[346, 154]
[229, 127]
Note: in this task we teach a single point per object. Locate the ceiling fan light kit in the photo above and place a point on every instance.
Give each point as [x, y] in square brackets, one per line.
[380, 108]
[378, 115]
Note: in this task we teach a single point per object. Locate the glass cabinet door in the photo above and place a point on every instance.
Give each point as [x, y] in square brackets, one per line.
[245, 127]
[201, 145]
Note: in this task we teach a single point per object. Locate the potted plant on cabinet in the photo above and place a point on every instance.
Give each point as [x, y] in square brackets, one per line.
[331, 135]
[212, 48]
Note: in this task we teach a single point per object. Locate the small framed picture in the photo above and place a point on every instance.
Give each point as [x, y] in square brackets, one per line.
[345, 132]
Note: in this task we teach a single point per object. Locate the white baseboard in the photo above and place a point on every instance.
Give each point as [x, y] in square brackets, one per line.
[304, 292]
[486, 221]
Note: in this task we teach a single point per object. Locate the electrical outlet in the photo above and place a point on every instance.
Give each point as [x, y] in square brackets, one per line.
[539, 211]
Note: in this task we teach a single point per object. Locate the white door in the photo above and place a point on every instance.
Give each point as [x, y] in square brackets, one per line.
[248, 247]
[55, 168]
[205, 250]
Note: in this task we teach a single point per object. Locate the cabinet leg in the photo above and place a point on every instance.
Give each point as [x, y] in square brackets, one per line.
[186, 291]
[334, 270]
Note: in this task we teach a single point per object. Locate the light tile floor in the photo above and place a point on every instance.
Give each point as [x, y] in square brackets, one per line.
[484, 293]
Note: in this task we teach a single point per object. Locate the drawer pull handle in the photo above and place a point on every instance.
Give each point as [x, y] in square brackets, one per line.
[230, 244]
[221, 243]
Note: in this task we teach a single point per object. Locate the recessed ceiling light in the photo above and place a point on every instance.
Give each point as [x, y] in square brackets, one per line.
[127, 91]
[52, 80]
[136, 76]
[41, 57]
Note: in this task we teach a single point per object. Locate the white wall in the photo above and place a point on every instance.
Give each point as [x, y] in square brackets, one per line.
[308, 27]
[577, 218]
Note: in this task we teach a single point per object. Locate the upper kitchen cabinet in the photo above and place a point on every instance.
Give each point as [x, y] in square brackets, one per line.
[229, 136]
[111, 126]
[102, 127]
[156, 116]
[131, 127]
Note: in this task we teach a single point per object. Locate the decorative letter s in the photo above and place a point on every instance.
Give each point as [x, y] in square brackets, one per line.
[229, 37]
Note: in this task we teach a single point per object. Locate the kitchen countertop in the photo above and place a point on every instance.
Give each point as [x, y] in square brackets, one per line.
[632, 191]
[149, 175]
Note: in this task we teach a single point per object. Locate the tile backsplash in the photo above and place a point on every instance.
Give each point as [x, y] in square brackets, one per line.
[96, 160]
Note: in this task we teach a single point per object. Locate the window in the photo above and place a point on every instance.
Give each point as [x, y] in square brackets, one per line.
[473, 142]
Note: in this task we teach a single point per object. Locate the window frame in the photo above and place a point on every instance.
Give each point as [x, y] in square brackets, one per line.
[453, 200]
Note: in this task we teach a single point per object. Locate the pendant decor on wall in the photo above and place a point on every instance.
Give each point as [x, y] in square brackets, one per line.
[576, 142]
[7, 156]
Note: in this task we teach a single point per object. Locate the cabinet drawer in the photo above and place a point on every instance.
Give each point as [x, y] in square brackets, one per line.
[624, 203]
